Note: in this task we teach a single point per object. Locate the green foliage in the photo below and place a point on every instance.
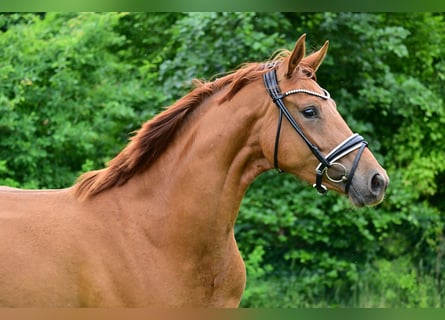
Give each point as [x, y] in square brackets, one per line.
[398, 284]
[74, 85]
[384, 284]
[210, 43]
[64, 97]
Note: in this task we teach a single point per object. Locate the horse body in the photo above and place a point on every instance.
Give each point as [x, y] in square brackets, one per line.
[156, 227]
[172, 246]
[59, 252]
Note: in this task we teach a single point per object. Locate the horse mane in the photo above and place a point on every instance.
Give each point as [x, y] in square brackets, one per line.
[155, 135]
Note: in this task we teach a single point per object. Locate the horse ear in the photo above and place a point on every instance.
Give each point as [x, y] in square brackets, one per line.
[297, 54]
[315, 59]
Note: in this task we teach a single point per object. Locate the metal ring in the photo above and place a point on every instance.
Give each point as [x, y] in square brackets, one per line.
[342, 179]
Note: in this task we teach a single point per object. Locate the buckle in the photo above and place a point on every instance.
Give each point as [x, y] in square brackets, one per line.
[320, 188]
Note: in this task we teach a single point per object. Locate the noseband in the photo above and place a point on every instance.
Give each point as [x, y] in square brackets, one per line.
[352, 143]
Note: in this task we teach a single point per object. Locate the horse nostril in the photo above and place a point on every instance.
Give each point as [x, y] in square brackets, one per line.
[378, 184]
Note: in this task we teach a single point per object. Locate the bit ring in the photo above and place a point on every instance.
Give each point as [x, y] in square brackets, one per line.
[343, 178]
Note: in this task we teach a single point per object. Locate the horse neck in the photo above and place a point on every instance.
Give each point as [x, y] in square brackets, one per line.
[202, 177]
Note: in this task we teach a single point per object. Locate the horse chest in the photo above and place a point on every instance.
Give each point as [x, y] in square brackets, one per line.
[211, 280]
[163, 276]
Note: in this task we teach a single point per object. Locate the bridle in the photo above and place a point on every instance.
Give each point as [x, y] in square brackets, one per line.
[352, 143]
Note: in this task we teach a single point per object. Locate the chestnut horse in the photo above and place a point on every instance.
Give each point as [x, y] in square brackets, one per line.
[156, 226]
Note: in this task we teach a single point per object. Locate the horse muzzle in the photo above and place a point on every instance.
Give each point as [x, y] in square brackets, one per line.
[369, 190]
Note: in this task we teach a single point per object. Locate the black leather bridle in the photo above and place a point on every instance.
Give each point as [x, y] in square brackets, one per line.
[352, 143]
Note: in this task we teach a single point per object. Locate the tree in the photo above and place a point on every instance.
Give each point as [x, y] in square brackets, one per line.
[65, 98]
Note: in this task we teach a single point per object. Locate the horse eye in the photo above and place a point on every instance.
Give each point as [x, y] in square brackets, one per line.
[310, 112]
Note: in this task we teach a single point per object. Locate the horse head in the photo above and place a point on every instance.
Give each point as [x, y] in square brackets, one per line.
[305, 135]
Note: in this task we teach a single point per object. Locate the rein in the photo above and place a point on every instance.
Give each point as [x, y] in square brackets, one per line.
[352, 143]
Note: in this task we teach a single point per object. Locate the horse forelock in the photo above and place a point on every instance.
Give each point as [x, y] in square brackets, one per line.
[155, 135]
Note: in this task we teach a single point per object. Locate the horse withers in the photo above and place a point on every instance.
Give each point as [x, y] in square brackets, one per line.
[156, 226]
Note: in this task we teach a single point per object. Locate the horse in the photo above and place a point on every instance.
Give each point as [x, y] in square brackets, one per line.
[155, 227]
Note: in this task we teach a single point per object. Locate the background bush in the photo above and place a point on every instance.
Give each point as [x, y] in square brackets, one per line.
[73, 86]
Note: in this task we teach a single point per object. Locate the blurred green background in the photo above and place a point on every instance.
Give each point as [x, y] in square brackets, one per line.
[74, 85]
